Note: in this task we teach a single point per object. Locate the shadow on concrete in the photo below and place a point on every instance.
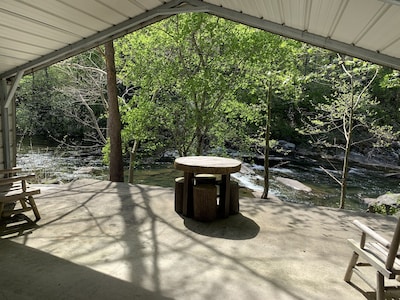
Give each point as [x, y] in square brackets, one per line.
[132, 233]
[16, 225]
[237, 227]
[59, 278]
[368, 295]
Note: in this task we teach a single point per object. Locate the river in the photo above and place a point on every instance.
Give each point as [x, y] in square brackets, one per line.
[54, 165]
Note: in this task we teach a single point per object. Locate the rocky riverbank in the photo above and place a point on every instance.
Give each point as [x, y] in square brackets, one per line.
[373, 180]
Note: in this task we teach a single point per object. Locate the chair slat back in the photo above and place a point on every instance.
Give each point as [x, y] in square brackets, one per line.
[394, 247]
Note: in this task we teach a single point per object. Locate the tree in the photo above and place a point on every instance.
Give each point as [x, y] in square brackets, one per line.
[387, 89]
[266, 138]
[114, 118]
[66, 102]
[195, 70]
[39, 106]
[141, 123]
[347, 117]
[86, 91]
[271, 75]
[277, 87]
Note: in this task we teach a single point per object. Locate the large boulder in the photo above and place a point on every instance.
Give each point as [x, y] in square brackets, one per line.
[294, 184]
[389, 203]
[285, 145]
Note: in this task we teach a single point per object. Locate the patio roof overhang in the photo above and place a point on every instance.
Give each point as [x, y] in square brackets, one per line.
[35, 34]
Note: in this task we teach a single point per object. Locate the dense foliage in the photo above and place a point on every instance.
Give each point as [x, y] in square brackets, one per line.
[196, 83]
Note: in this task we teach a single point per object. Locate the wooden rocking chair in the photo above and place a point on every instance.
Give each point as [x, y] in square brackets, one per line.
[15, 189]
[379, 254]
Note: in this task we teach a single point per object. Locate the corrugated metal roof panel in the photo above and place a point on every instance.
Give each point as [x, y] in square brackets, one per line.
[37, 30]
[322, 16]
[268, 10]
[237, 5]
[354, 26]
[18, 46]
[393, 49]
[149, 4]
[351, 28]
[35, 27]
[125, 8]
[384, 31]
[294, 12]
[33, 38]
[74, 15]
[24, 11]
[18, 55]
[97, 10]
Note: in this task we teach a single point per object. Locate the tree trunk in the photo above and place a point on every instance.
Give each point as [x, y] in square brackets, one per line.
[132, 159]
[266, 151]
[343, 182]
[199, 140]
[345, 169]
[114, 118]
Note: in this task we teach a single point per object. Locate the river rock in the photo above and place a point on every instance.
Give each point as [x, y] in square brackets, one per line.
[285, 145]
[248, 178]
[393, 175]
[386, 199]
[84, 170]
[370, 201]
[247, 170]
[389, 200]
[295, 184]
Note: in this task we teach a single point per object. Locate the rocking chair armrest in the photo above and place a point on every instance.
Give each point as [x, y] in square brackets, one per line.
[11, 171]
[367, 230]
[17, 178]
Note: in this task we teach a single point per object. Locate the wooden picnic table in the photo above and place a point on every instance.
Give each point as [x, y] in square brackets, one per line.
[192, 165]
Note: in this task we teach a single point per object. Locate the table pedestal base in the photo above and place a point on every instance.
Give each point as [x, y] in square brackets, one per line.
[188, 194]
[224, 206]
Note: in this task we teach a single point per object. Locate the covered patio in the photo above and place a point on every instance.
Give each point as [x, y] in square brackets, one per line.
[103, 240]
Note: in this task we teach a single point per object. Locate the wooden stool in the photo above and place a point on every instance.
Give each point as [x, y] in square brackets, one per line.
[234, 198]
[205, 202]
[205, 179]
[179, 194]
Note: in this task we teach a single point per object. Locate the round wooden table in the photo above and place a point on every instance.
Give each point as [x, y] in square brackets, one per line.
[192, 165]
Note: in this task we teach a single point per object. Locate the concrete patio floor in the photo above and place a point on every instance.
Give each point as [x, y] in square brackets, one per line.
[103, 240]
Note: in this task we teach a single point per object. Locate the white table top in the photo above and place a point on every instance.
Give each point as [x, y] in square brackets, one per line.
[207, 164]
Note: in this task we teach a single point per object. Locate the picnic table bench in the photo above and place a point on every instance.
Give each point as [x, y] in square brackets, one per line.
[14, 188]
